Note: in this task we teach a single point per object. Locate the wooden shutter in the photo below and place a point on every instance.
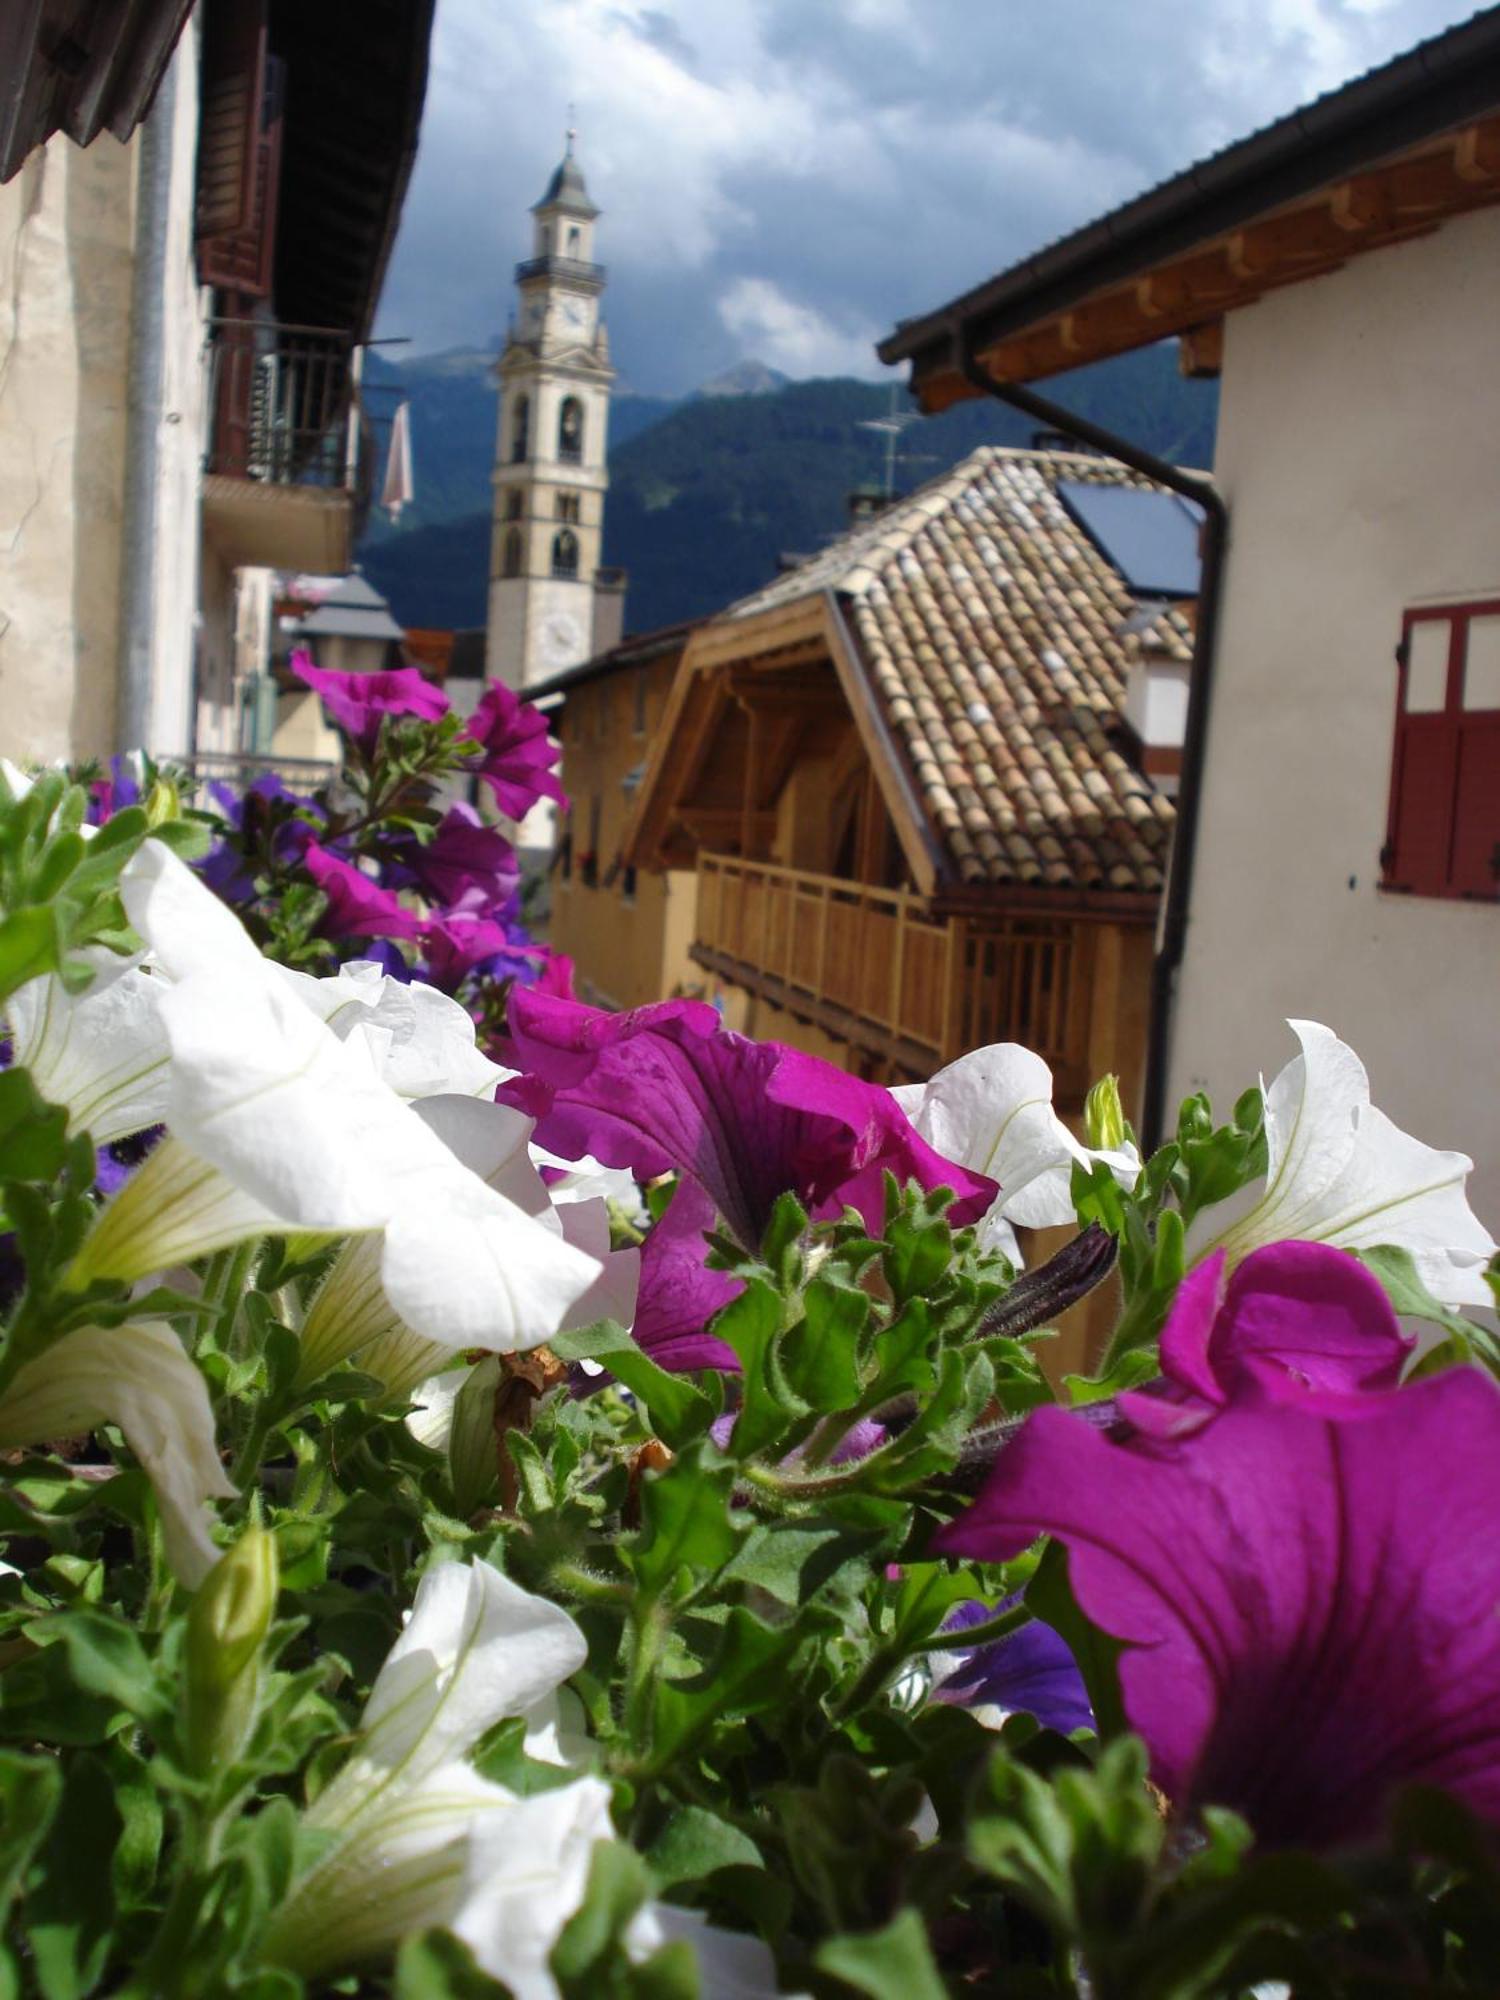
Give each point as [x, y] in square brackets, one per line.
[239, 156]
[233, 85]
[1443, 835]
[1476, 804]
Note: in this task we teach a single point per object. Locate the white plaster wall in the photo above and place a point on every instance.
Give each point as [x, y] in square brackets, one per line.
[66, 224]
[1359, 451]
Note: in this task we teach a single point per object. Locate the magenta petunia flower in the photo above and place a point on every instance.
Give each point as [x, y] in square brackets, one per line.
[556, 975]
[1296, 1320]
[518, 754]
[357, 702]
[459, 943]
[665, 1089]
[357, 907]
[1309, 1597]
[678, 1293]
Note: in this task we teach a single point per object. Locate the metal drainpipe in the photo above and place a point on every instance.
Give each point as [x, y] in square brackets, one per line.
[1172, 936]
[144, 399]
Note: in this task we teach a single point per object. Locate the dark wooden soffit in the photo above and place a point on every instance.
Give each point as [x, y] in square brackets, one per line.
[355, 84]
[81, 67]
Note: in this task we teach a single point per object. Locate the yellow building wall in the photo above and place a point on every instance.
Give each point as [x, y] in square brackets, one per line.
[628, 939]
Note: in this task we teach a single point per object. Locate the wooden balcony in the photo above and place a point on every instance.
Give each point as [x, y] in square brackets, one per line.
[283, 477]
[875, 968]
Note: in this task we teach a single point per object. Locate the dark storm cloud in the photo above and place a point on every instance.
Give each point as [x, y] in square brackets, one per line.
[785, 178]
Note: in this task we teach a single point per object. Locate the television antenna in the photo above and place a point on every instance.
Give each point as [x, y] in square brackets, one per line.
[891, 427]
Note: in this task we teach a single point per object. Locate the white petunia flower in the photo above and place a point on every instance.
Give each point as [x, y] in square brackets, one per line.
[1338, 1171]
[139, 1377]
[307, 1136]
[991, 1111]
[422, 1042]
[355, 1315]
[405, 1819]
[101, 1054]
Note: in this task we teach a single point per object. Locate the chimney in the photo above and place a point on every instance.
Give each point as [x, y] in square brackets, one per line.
[1156, 698]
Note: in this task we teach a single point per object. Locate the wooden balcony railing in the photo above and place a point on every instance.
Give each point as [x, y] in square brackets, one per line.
[875, 967]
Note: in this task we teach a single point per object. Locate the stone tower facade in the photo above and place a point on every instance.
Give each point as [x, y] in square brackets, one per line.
[550, 456]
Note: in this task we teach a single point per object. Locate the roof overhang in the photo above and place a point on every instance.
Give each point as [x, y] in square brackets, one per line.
[77, 67]
[1390, 156]
[712, 674]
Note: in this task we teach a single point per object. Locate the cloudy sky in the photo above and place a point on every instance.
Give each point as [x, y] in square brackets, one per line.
[785, 179]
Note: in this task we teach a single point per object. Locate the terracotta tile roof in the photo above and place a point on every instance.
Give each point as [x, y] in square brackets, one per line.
[991, 630]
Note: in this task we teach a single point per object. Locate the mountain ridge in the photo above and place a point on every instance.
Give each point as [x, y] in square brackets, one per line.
[709, 492]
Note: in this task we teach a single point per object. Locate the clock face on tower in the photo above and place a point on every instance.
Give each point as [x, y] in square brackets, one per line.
[562, 640]
[575, 315]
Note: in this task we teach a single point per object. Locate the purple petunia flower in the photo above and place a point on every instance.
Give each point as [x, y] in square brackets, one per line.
[121, 788]
[1032, 1671]
[678, 1293]
[1296, 1321]
[357, 907]
[1308, 1592]
[227, 868]
[466, 865]
[665, 1088]
[518, 754]
[359, 702]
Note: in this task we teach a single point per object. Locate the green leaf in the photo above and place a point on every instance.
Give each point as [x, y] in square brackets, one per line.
[29, 946]
[1049, 1597]
[435, 1965]
[741, 1679]
[685, 1524]
[696, 1843]
[917, 1252]
[1397, 1271]
[33, 1133]
[791, 1563]
[891, 1964]
[820, 1355]
[30, 1788]
[750, 1324]
[618, 1884]
[70, 1911]
[679, 1410]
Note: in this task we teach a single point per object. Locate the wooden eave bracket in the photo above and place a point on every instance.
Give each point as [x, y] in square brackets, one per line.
[1400, 198]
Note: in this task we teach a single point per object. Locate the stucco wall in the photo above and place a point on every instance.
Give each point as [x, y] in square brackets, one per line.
[67, 241]
[65, 265]
[628, 950]
[1359, 450]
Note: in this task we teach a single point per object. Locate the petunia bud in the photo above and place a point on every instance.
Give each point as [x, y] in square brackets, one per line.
[1103, 1117]
[163, 802]
[226, 1630]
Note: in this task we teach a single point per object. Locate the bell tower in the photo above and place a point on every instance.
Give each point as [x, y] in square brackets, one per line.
[550, 456]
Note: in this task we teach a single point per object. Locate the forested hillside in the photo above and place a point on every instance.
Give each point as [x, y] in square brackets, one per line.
[707, 494]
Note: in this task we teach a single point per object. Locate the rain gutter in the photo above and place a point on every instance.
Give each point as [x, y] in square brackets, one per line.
[1176, 902]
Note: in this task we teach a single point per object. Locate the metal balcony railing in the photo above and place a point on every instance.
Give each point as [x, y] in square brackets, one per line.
[282, 402]
[561, 267]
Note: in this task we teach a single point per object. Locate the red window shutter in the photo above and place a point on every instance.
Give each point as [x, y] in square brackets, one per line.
[233, 81]
[1421, 805]
[1476, 811]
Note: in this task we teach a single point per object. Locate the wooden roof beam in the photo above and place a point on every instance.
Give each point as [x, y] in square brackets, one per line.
[1476, 154]
[1200, 350]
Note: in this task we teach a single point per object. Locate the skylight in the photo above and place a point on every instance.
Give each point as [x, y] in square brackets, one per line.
[1149, 536]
